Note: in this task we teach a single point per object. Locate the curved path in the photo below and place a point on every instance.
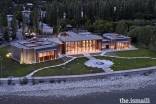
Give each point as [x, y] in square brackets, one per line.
[107, 70]
[129, 57]
[32, 73]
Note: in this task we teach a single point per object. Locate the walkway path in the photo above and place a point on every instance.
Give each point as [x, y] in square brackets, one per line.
[114, 50]
[32, 73]
[108, 70]
[88, 56]
[130, 57]
[92, 63]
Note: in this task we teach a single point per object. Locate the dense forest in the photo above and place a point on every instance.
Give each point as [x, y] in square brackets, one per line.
[134, 18]
[83, 10]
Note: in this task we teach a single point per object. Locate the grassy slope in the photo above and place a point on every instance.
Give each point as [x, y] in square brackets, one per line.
[14, 68]
[125, 64]
[142, 52]
[75, 67]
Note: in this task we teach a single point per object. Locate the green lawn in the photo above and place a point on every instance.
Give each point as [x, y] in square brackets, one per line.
[14, 68]
[126, 64]
[142, 52]
[74, 67]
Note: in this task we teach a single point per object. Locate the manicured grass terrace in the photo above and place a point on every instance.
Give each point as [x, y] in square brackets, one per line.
[142, 52]
[75, 67]
[14, 68]
[126, 64]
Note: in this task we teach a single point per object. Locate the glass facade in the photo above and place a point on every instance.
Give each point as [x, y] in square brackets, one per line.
[44, 56]
[83, 46]
[118, 45]
[124, 45]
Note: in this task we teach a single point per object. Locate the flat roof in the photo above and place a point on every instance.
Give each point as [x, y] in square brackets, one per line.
[55, 39]
[122, 41]
[75, 37]
[19, 45]
[114, 36]
[38, 44]
[46, 46]
[84, 33]
[105, 40]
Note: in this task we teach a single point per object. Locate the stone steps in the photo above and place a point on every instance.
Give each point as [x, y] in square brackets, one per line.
[66, 58]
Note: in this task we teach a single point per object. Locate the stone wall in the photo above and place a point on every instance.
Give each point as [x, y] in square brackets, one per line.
[16, 53]
[58, 79]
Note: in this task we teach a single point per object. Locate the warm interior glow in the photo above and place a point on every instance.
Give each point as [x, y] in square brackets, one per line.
[44, 56]
[125, 45]
[83, 46]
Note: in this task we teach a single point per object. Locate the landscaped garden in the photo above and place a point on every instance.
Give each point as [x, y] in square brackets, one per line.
[10, 67]
[75, 67]
[142, 52]
[126, 64]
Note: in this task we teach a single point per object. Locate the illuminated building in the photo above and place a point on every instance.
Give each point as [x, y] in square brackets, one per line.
[43, 49]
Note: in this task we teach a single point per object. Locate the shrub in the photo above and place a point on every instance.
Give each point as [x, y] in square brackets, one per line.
[147, 73]
[33, 81]
[9, 81]
[59, 81]
[52, 81]
[41, 81]
[125, 75]
[23, 81]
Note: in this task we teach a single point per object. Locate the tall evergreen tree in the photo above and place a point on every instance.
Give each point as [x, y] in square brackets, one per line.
[14, 27]
[58, 25]
[6, 34]
[23, 24]
[121, 28]
[4, 21]
[36, 21]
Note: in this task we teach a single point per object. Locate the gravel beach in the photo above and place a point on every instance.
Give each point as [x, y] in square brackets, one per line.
[94, 91]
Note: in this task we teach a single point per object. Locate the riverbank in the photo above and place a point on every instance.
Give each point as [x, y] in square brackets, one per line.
[93, 91]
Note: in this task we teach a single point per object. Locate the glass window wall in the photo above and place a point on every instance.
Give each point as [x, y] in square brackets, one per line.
[83, 46]
[44, 56]
[123, 45]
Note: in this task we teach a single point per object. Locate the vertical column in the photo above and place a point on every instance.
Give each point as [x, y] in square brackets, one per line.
[54, 54]
[95, 45]
[75, 47]
[85, 46]
[92, 45]
[81, 46]
[89, 45]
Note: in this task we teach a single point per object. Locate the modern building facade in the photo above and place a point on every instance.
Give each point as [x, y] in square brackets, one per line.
[76, 44]
[115, 41]
[35, 50]
[43, 49]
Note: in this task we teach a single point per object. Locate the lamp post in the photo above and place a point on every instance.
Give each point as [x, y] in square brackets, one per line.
[1, 64]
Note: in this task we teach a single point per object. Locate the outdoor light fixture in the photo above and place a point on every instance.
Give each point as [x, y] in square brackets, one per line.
[9, 55]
